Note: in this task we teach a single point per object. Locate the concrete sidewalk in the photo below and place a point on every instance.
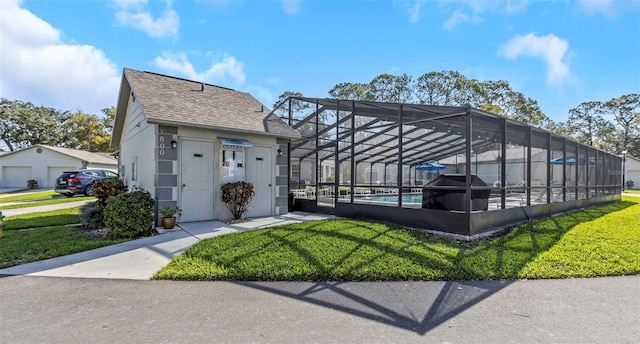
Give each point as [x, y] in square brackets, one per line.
[5, 192]
[140, 259]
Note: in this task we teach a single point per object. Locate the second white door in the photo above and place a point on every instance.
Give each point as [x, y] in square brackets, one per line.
[260, 172]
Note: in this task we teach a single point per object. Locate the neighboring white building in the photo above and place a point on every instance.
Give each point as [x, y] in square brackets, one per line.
[181, 140]
[45, 163]
[632, 171]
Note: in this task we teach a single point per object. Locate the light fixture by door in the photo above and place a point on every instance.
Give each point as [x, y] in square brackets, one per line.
[279, 151]
[174, 144]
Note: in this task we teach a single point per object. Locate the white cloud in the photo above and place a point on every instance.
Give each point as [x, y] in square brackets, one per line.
[179, 63]
[500, 6]
[37, 66]
[264, 95]
[225, 70]
[134, 13]
[474, 10]
[608, 8]
[549, 48]
[414, 13]
[457, 17]
[291, 7]
[228, 70]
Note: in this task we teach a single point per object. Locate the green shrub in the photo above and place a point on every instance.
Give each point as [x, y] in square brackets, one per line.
[91, 216]
[630, 184]
[32, 184]
[108, 187]
[130, 215]
[237, 197]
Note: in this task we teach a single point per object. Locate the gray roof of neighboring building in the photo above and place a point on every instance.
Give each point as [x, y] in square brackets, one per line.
[92, 158]
[174, 101]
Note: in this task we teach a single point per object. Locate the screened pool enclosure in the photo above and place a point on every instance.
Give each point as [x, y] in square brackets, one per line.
[458, 170]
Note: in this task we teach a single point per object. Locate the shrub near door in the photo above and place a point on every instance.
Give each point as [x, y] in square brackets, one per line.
[130, 215]
[2, 224]
[237, 197]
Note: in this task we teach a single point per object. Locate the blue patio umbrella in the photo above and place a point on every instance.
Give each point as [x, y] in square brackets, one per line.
[571, 161]
[558, 161]
[430, 166]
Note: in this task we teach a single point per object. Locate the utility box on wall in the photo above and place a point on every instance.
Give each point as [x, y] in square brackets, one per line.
[233, 165]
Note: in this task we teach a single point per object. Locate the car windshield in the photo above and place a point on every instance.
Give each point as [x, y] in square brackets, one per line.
[111, 174]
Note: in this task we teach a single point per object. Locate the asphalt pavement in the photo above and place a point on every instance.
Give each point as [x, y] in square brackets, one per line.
[111, 300]
[70, 310]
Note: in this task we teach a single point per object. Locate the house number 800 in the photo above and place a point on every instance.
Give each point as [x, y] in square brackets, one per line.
[161, 151]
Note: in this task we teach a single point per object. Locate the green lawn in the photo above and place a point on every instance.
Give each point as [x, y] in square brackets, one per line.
[34, 199]
[30, 196]
[600, 241]
[19, 247]
[44, 219]
[38, 236]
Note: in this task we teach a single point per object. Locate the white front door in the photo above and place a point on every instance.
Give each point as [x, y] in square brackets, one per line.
[260, 168]
[196, 178]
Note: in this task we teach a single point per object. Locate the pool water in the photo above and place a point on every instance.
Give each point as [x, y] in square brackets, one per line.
[406, 198]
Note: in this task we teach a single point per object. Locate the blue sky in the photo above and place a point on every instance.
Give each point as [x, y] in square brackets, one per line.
[70, 54]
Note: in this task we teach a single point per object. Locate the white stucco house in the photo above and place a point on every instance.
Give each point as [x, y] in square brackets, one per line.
[181, 140]
[632, 171]
[45, 163]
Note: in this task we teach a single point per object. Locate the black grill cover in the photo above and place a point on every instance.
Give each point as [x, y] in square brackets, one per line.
[434, 196]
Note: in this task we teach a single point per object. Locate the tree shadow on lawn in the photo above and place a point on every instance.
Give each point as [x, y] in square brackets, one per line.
[420, 306]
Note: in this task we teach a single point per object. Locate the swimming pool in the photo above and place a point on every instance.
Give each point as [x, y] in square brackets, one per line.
[415, 198]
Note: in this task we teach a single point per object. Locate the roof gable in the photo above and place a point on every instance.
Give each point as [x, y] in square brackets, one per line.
[91, 158]
[175, 101]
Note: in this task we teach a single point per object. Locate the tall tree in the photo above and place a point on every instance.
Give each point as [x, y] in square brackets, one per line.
[383, 88]
[23, 124]
[558, 128]
[281, 106]
[109, 118]
[449, 88]
[87, 132]
[495, 96]
[626, 113]
[499, 98]
[284, 96]
[351, 91]
[525, 110]
[586, 123]
[403, 88]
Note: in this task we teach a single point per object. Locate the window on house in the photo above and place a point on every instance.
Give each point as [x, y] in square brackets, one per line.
[134, 168]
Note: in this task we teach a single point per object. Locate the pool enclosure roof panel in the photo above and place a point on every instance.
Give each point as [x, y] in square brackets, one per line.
[429, 132]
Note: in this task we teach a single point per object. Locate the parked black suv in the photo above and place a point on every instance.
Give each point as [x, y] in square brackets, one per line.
[80, 181]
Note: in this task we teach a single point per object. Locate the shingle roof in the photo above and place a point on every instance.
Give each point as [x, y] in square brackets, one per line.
[174, 101]
[92, 158]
